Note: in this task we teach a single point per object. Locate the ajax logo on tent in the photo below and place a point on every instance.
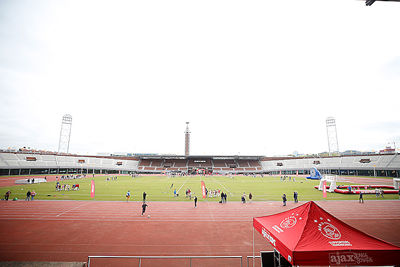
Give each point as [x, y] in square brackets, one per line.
[289, 222]
[328, 229]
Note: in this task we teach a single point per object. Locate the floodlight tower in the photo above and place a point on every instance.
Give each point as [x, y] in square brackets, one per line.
[65, 133]
[187, 140]
[333, 143]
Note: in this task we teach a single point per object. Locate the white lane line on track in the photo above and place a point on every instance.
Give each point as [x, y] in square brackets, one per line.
[126, 244]
[125, 220]
[141, 219]
[77, 207]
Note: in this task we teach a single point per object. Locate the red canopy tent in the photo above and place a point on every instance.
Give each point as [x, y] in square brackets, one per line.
[308, 235]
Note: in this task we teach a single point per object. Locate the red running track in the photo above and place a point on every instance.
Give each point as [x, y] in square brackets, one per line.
[73, 230]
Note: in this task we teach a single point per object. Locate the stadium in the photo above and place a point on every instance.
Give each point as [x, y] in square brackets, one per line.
[256, 178]
[79, 196]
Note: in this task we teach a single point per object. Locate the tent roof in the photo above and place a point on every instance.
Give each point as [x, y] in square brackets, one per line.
[308, 235]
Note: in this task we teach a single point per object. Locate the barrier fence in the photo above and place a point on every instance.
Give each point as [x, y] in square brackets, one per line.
[166, 257]
[251, 257]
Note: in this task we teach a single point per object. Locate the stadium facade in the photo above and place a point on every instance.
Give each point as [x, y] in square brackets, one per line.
[23, 163]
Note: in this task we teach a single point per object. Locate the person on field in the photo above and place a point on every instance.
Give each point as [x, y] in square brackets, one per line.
[128, 195]
[361, 199]
[295, 197]
[144, 206]
[284, 199]
[28, 195]
[33, 194]
[250, 197]
[7, 195]
[144, 196]
[195, 201]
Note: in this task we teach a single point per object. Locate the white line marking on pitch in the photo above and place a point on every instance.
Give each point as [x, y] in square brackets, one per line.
[230, 193]
[183, 185]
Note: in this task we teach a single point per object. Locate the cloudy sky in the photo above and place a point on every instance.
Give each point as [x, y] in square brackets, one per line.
[251, 77]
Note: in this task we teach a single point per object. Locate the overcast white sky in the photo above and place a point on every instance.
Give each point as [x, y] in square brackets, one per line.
[252, 77]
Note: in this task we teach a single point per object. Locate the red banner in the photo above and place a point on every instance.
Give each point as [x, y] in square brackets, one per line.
[324, 188]
[92, 190]
[203, 189]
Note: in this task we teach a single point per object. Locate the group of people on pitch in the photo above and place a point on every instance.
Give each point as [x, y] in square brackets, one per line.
[295, 198]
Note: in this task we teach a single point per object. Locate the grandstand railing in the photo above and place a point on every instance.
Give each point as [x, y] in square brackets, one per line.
[168, 257]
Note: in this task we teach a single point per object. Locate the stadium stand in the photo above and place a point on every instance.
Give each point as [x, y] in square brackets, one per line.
[219, 163]
[181, 163]
[200, 162]
[21, 163]
[243, 163]
[365, 165]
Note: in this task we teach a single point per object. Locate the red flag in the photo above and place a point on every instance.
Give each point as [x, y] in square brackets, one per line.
[203, 189]
[92, 190]
[324, 188]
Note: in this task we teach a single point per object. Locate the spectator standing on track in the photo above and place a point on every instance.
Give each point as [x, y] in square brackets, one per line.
[128, 196]
[295, 197]
[250, 197]
[7, 195]
[33, 194]
[361, 200]
[284, 199]
[144, 206]
[195, 201]
[144, 196]
[28, 195]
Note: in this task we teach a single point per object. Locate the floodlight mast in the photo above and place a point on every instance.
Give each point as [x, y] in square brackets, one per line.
[187, 140]
[65, 134]
[333, 143]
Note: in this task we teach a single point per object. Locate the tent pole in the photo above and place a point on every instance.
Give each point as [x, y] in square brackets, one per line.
[253, 246]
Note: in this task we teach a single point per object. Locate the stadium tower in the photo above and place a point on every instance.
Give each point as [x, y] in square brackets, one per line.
[333, 143]
[187, 140]
[65, 134]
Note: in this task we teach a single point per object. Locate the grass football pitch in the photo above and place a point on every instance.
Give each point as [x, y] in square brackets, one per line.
[161, 188]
